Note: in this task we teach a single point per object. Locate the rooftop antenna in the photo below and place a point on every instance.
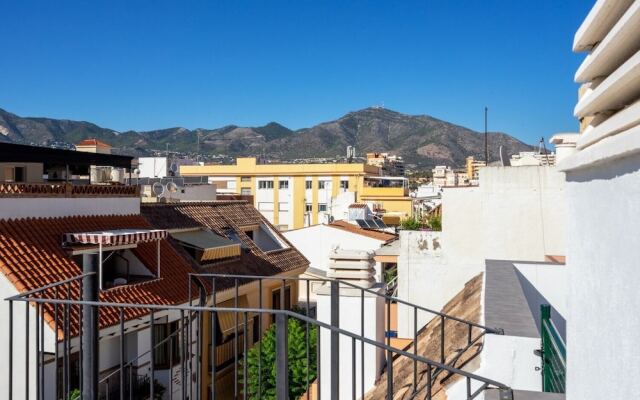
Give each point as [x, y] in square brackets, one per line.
[198, 147]
[486, 144]
[544, 146]
[167, 150]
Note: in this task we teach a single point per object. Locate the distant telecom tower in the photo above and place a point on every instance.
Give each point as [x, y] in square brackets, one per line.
[351, 153]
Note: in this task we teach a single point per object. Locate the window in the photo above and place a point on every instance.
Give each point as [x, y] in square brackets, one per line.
[308, 207]
[322, 207]
[308, 184]
[245, 191]
[275, 299]
[245, 179]
[163, 357]
[264, 206]
[265, 184]
[283, 206]
[344, 184]
[324, 184]
[283, 184]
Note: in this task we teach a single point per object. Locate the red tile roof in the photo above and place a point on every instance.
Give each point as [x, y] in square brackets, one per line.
[31, 256]
[93, 142]
[358, 205]
[374, 234]
[219, 216]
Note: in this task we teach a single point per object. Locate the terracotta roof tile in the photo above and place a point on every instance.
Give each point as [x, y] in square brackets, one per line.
[219, 216]
[372, 233]
[31, 256]
[93, 142]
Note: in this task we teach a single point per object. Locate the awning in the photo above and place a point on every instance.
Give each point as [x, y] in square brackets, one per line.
[227, 320]
[115, 237]
[212, 246]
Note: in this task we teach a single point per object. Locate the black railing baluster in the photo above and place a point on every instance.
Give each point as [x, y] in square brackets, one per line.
[122, 352]
[183, 356]
[353, 368]
[67, 340]
[388, 334]
[41, 354]
[130, 382]
[469, 334]
[152, 354]
[335, 340]
[171, 364]
[190, 344]
[244, 358]
[10, 385]
[56, 388]
[307, 341]
[213, 340]
[38, 350]
[235, 341]
[415, 348]
[282, 297]
[389, 375]
[80, 364]
[362, 343]
[318, 364]
[282, 359]
[442, 357]
[199, 356]
[26, 351]
[468, 388]
[260, 342]
[429, 382]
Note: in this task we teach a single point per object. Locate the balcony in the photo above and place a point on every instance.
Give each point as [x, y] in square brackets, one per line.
[61, 308]
[381, 186]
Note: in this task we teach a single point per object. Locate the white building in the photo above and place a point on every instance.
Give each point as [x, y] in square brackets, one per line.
[603, 188]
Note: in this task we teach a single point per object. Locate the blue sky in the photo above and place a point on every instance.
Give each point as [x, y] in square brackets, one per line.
[155, 64]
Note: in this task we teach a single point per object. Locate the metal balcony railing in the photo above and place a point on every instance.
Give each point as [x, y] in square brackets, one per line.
[61, 307]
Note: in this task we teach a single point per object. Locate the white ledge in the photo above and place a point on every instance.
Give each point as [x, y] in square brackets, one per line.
[615, 92]
[601, 18]
[618, 122]
[611, 148]
[620, 43]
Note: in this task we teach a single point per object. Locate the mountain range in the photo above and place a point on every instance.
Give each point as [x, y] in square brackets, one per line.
[422, 141]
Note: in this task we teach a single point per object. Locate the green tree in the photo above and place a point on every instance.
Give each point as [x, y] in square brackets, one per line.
[297, 356]
[435, 222]
[410, 224]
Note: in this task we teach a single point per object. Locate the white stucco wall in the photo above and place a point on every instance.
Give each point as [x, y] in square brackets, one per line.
[63, 207]
[427, 277]
[315, 243]
[602, 258]
[517, 213]
[19, 337]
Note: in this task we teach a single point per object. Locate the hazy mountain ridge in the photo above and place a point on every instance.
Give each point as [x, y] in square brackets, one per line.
[422, 140]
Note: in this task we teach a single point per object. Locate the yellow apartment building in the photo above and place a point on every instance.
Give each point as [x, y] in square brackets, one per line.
[293, 196]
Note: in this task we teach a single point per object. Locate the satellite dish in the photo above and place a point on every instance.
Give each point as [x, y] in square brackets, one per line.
[172, 187]
[158, 189]
[136, 171]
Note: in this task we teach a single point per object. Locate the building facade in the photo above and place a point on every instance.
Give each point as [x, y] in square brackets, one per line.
[603, 252]
[293, 196]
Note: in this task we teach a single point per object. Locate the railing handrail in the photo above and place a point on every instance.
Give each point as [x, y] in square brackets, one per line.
[497, 331]
[287, 313]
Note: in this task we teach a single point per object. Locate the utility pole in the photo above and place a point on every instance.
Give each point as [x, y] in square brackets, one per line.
[486, 144]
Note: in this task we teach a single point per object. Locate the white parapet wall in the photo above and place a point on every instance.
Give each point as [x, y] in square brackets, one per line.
[42, 207]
